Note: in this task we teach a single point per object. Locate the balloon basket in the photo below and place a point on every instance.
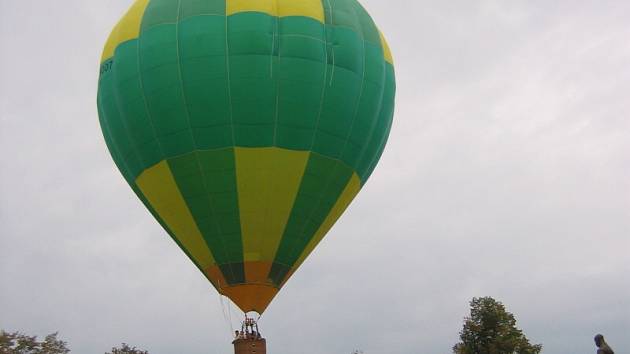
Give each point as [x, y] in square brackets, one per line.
[249, 340]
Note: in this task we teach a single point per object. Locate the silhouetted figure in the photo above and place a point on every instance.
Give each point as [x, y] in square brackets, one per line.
[603, 347]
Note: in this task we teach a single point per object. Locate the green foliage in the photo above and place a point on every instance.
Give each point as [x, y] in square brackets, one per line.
[126, 349]
[18, 343]
[490, 329]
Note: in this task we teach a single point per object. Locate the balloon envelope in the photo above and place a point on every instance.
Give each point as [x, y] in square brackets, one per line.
[246, 127]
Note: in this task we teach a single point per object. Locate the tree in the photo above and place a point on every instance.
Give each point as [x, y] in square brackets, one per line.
[126, 349]
[490, 329]
[18, 343]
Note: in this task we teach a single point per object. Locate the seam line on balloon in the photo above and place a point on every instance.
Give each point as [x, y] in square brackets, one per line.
[229, 91]
[332, 47]
[228, 83]
[276, 34]
[324, 80]
[273, 36]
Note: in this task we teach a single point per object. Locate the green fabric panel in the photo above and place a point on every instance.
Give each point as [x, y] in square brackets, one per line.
[301, 71]
[375, 147]
[233, 273]
[278, 273]
[337, 111]
[346, 50]
[369, 30]
[367, 111]
[374, 64]
[159, 65]
[342, 13]
[342, 92]
[323, 182]
[159, 12]
[253, 89]
[205, 80]
[116, 125]
[191, 8]
[207, 181]
[350, 14]
[299, 100]
[252, 33]
[112, 147]
[133, 106]
[388, 112]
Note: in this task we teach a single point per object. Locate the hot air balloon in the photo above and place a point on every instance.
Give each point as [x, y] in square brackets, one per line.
[246, 127]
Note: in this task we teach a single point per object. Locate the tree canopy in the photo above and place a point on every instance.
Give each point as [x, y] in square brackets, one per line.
[491, 329]
[126, 349]
[18, 343]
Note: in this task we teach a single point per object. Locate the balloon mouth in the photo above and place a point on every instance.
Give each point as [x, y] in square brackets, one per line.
[252, 314]
[250, 297]
[253, 295]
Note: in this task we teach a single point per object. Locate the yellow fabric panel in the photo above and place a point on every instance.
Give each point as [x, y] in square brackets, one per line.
[307, 8]
[352, 189]
[386, 51]
[128, 28]
[236, 6]
[160, 189]
[268, 180]
[279, 8]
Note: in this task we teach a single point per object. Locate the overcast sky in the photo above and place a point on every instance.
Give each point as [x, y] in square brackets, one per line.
[507, 175]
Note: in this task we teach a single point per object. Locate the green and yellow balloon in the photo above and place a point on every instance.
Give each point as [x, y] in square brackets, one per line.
[246, 127]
